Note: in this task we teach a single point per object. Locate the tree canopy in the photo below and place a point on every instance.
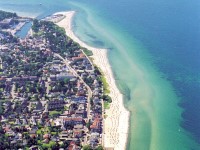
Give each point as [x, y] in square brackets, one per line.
[4, 15]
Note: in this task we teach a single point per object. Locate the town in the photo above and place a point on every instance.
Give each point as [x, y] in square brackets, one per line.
[51, 94]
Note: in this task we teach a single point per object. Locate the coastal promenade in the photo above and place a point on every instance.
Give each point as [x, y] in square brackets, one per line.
[116, 123]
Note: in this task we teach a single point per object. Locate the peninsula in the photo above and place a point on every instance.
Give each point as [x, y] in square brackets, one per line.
[52, 94]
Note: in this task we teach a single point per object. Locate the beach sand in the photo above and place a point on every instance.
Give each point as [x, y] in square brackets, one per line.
[116, 123]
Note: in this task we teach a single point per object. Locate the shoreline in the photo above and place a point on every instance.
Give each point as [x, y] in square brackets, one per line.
[116, 125]
[21, 13]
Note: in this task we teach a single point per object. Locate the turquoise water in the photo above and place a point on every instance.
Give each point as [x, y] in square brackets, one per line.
[154, 53]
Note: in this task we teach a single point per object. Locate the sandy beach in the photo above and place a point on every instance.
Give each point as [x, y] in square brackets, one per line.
[116, 123]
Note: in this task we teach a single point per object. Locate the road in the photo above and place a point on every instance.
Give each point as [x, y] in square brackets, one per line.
[13, 91]
[77, 75]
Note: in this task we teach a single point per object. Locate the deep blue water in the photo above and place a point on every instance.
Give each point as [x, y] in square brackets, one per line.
[170, 31]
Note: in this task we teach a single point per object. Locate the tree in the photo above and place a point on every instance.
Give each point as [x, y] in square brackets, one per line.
[65, 144]
[87, 147]
[1, 113]
[66, 80]
[36, 25]
[4, 15]
[107, 98]
[96, 70]
[56, 146]
[99, 147]
[91, 102]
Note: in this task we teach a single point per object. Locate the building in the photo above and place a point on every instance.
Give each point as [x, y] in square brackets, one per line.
[6, 22]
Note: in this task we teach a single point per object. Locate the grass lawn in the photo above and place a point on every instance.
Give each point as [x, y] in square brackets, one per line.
[105, 85]
[39, 131]
[49, 145]
[54, 113]
[104, 82]
[106, 105]
[87, 52]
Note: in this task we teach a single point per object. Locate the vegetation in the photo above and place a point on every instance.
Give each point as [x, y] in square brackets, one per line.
[106, 105]
[87, 52]
[4, 15]
[29, 65]
[99, 147]
[66, 108]
[102, 80]
[105, 85]
[9, 39]
[50, 145]
[88, 124]
[1, 108]
[36, 25]
[56, 36]
[107, 98]
[106, 101]
[54, 113]
[87, 147]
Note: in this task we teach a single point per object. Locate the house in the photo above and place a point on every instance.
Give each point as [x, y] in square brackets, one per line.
[63, 135]
[56, 104]
[67, 136]
[17, 122]
[94, 139]
[46, 136]
[33, 78]
[39, 107]
[73, 146]
[64, 75]
[25, 78]
[78, 126]
[9, 131]
[33, 121]
[6, 22]
[52, 78]
[74, 59]
[2, 79]
[81, 113]
[88, 67]
[78, 133]
[72, 109]
[96, 125]
[15, 79]
[40, 121]
[93, 142]
[24, 121]
[34, 148]
[80, 93]
[96, 100]
[79, 99]
[73, 120]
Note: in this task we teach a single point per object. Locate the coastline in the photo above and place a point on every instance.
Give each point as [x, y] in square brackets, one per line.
[22, 14]
[116, 125]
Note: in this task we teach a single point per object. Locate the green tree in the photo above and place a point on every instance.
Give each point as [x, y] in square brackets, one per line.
[36, 25]
[87, 147]
[99, 147]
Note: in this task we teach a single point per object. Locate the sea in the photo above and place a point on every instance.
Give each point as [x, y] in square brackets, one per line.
[154, 50]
